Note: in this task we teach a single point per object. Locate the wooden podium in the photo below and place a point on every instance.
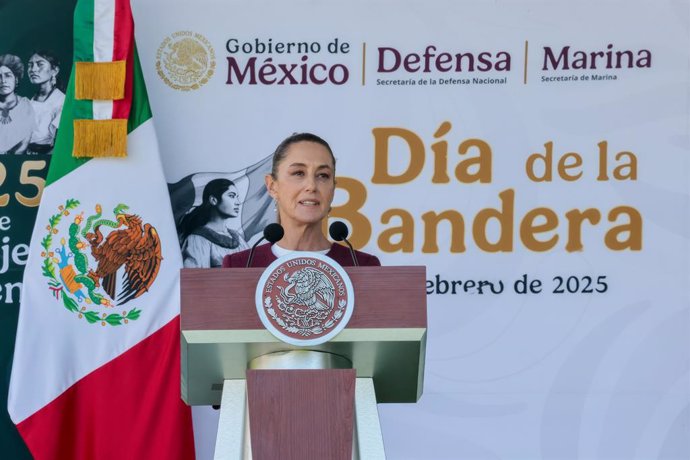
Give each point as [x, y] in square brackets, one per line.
[283, 401]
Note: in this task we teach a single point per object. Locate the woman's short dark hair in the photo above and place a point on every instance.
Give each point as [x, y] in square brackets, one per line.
[281, 150]
[13, 63]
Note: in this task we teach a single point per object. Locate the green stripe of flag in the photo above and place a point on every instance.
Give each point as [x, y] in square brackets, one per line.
[83, 30]
[84, 13]
[140, 110]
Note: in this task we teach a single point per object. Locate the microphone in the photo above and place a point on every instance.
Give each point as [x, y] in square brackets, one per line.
[272, 233]
[338, 231]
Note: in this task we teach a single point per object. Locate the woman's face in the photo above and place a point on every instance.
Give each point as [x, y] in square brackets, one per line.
[304, 185]
[40, 70]
[228, 204]
[8, 82]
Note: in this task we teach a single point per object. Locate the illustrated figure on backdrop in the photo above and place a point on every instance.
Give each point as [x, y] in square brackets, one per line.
[43, 69]
[207, 238]
[17, 120]
[302, 183]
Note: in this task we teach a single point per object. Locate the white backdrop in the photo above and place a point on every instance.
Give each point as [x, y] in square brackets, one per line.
[509, 375]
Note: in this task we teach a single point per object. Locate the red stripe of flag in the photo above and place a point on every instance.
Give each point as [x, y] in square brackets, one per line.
[129, 408]
[123, 49]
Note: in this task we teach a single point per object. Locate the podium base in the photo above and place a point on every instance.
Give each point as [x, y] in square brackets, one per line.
[234, 439]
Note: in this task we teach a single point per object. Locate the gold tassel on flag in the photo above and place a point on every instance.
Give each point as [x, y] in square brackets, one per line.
[100, 138]
[100, 80]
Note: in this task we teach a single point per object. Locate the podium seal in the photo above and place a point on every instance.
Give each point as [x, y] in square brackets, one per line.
[305, 298]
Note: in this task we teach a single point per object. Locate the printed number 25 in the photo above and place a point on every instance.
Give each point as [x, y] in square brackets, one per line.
[26, 179]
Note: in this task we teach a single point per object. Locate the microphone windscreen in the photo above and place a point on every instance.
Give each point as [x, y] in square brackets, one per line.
[338, 230]
[273, 232]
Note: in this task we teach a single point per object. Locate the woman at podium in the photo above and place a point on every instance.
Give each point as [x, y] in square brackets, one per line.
[302, 185]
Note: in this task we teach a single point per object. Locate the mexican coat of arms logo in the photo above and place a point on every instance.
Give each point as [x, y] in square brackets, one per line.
[95, 265]
[185, 60]
[305, 298]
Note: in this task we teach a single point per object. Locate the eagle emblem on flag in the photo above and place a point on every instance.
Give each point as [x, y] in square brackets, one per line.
[99, 263]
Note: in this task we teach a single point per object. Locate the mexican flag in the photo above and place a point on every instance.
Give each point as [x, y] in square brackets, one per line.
[96, 371]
